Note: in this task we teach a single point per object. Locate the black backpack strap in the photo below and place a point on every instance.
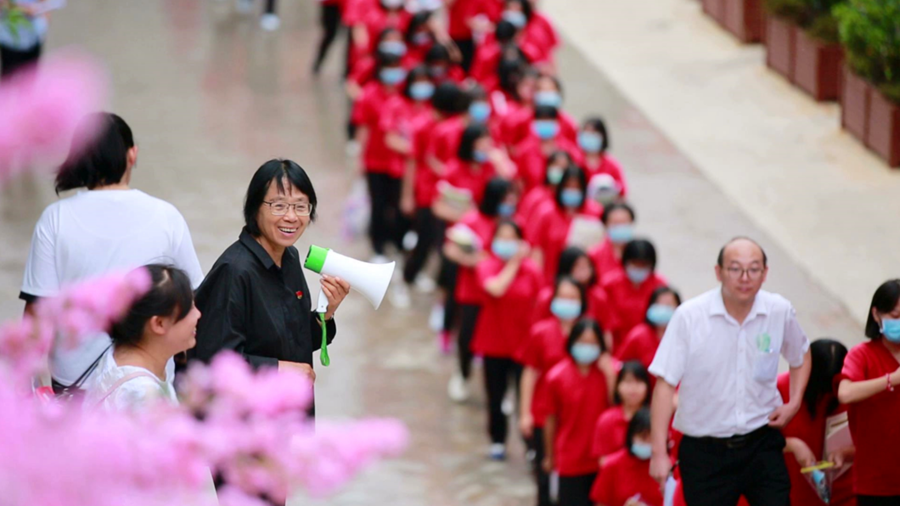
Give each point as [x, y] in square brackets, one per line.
[84, 375]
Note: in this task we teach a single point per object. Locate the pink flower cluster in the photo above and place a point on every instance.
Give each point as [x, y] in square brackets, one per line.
[41, 108]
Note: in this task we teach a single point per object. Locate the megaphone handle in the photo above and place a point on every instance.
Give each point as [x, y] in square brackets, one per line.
[321, 308]
[322, 303]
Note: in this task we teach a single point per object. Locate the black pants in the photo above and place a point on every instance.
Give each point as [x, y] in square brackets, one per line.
[430, 231]
[719, 471]
[871, 500]
[576, 490]
[540, 476]
[468, 319]
[330, 19]
[447, 281]
[497, 374]
[387, 223]
[270, 7]
[467, 49]
[12, 60]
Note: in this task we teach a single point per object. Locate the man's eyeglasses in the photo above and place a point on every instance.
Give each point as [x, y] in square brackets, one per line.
[281, 208]
[738, 273]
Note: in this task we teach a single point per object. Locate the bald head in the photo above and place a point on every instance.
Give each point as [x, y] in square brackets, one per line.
[741, 246]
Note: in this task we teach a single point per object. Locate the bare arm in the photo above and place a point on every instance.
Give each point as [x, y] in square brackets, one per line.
[799, 378]
[549, 437]
[29, 308]
[526, 394]
[398, 143]
[850, 391]
[456, 254]
[407, 191]
[499, 284]
[662, 407]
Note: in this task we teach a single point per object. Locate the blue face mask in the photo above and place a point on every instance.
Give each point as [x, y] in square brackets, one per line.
[660, 314]
[545, 129]
[479, 111]
[642, 451]
[620, 234]
[550, 98]
[890, 329]
[570, 197]
[505, 248]
[392, 47]
[565, 309]
[515, 18]
[421, 39]
[590, 142]
[421, 91]
[554, 175]
[585, 354]
[392, 75]
[637, 275]
[479, 156]
[506, 210]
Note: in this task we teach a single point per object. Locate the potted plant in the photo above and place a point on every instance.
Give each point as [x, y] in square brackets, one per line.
[871, 92]
[743, 18]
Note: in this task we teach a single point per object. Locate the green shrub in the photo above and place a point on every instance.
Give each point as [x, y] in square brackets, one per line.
[814, 16]
[870, 33]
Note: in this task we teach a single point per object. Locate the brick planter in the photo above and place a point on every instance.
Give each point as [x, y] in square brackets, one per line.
[715, 9]
[856, 95]
[743, 18]
[781, 46]
[817, 67]
[883, 132]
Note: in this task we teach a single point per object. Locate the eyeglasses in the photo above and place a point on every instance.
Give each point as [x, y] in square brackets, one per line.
[738, 273]
[281, 208]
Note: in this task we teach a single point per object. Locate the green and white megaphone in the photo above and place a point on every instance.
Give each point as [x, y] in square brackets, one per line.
[371, 280]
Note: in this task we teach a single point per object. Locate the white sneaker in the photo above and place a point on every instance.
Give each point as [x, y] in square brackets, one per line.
[498, 451]
[244, 6]
[457, 389]
[352, 149]
[410, 239]
[424, 284]
[508, 405]
[269, 22]
[436, 318]
[400, 295]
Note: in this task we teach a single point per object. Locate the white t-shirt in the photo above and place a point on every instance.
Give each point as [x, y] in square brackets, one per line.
[93, 233]
[102, 391]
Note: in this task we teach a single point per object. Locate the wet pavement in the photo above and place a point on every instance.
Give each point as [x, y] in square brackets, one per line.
[210, 97]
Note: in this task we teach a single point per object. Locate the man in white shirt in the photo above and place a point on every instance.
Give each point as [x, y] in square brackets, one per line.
[721, 350]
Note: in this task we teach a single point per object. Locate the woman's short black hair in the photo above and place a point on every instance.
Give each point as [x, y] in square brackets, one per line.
[569, 257]
[507, 222]
[416, 74]
[582, 326]
[472, 133]
[596, 123]
[582, 292]
[659, 292]
[639, 424]
[572, 172]
[884, 301]
[495, 193]
[639, 250]
[275, 171]
[511, 70]
[448, 98]
[557, 154]
[505, 31]
[636, 369]
[99, 153]
[437, 54]
[545, 112]
[169, 295]
[385, 60]
[419, 20]
[526, 7]
[827, 362]
[608, 210]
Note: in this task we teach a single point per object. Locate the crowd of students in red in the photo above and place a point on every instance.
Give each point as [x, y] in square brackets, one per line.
[465, 142]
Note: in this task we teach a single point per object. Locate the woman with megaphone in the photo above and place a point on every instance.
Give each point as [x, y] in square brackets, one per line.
[255, 300]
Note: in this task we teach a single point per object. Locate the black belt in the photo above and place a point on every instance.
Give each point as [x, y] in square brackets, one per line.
[735, 442]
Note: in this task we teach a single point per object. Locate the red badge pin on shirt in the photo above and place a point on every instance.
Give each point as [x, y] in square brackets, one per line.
[299, 294]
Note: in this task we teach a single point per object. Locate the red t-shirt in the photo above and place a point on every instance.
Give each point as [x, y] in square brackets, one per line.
[873, 421]
[531, 201]
[484, 64]
[812, 432]
[625, 476]
[609, 435]
[378, 20]
[539, 33]
[606, 164]
[605, 261]
[462, 175]
[444, 139]
[518, 127]
[639, 344]
[577, 401]
[376, 110]
[355, 11]
[425, 187]
[545, 347]
[504, 322]
[628, 303]
[550, 230]
[531, 159]
[458, 16]
[468, 291]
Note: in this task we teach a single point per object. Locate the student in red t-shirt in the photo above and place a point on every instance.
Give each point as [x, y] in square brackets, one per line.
[384, 152]
[546, 347]
[548, 92]
[468, 243]
[509, 279]
[641, 343]
[629, 290]
[573, 263]
[632, 392]
[618, 220]
[805, 433]
[578, 391]
[868, 383]
[625, 477]
[537, 30]
[441, 65]
[420, 36]
[330, 20]
[387, 14]
[593, 140]
[531, 154]
[557, 163]
[550, 229]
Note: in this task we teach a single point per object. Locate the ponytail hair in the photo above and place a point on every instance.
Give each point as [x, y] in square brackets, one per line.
[99, 153]
[169, 295]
